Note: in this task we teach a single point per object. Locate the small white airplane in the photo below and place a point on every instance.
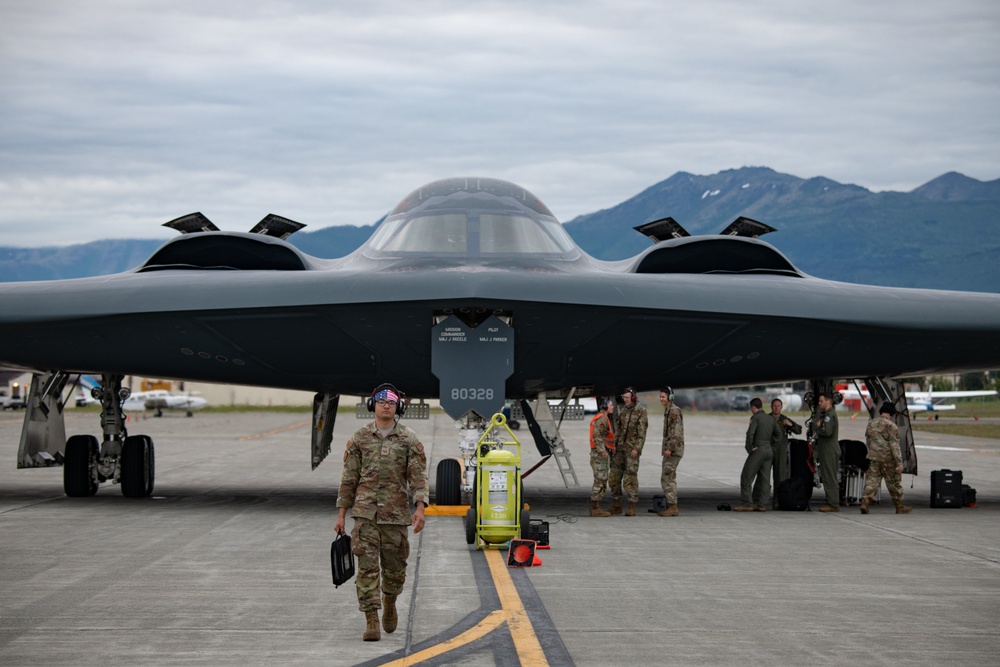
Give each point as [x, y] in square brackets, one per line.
[155, 399]
[160, 400]
[922, 401]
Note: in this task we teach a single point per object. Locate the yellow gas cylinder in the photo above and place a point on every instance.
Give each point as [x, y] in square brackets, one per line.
[498, 496]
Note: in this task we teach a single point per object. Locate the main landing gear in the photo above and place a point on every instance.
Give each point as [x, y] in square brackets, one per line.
[120, 458]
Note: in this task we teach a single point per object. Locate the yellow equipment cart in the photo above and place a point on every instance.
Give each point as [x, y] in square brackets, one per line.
[497, 513]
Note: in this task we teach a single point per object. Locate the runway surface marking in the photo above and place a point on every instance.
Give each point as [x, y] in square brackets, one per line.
[525, 640]
[512, 612]
[492, 621]
[289, 427]
[941, 448]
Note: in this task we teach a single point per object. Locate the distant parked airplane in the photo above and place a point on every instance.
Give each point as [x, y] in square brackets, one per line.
[921, 401]
[156, 399]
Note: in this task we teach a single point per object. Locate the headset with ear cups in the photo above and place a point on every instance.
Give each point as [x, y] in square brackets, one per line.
[635, 396]
[400, 404]
[669, 392]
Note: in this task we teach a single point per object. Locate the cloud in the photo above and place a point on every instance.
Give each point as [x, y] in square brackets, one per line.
[117, 116]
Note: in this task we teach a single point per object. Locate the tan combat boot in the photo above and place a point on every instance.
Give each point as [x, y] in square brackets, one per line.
[372, 633]
[616, 506]
[595, 509]
[670, 511]
[631, 509]
[901, 508]
[389, 616]
[864, 504]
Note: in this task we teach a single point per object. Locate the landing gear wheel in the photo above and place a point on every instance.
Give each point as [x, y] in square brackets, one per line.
[138, 466]
[449, 482]
[470, 526]
[525, 525]
[78, 477]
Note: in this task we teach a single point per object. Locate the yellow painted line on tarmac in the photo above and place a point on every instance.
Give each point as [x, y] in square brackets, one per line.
[512, 611]
[446, 510]
[289, 427]
[492, 621]
[525, 640]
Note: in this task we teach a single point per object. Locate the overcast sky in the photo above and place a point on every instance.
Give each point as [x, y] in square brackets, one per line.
[118, 115]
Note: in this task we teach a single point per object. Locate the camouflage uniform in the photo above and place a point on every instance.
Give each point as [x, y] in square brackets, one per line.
[828, 455]
[882, 438]
[630, 433]
[762, 434]
[600, 457]
[377, 472]
[673, 440]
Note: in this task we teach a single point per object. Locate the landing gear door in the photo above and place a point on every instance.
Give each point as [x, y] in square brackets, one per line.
[324, 415]
[43, 436]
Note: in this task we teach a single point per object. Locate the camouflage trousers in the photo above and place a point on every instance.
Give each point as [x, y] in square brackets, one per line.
[893, 480]
[668, 478]
[601, 466]
[373, 542]
[624, 474]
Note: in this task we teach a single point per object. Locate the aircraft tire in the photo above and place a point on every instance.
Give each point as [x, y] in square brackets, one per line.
[525, 525]
[470, 526]
[474, 502]
[138, 466]
[449, 483]
[78, 482]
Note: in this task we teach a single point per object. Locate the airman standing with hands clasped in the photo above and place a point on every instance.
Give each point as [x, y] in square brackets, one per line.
[673, 449]
[630, 436]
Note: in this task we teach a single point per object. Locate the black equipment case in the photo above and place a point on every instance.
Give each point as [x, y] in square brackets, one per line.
[946, 488]
[793, 494]
[341, 559]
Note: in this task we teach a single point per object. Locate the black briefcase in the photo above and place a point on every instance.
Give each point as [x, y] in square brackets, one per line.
[341, 559]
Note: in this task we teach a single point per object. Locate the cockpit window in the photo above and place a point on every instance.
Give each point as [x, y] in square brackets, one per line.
[473, 233]
[502, 234]
[472, 218]
[427, 233]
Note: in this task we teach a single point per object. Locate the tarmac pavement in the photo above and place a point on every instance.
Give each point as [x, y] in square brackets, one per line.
[227, 563]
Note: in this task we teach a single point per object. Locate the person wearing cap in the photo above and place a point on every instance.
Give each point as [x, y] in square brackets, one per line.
[630, 436]
[884, 460]
[602, 446]
[762, 436]
[382, 459]
[673, 450]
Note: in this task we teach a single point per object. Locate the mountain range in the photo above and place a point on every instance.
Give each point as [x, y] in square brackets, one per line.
[944, 234]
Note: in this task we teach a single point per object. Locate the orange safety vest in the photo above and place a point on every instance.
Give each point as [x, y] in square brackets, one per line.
[609, 439]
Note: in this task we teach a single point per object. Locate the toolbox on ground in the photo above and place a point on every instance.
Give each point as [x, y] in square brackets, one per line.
[946, 488]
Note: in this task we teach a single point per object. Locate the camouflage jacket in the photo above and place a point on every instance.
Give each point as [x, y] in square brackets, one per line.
[673, 431]
[762, 432]
[630, 428]
[882, 438]
[377, 472]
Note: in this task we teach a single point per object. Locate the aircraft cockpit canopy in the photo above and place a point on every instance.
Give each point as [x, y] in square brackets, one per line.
[472, 217]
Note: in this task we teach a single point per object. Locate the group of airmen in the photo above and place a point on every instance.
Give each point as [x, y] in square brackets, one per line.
[616, 441]
[384, 482]
[617, 437]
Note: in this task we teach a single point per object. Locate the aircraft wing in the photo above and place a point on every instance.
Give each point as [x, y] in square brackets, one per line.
[251, 309]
